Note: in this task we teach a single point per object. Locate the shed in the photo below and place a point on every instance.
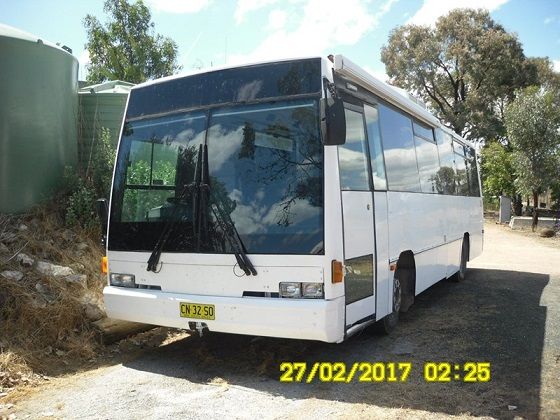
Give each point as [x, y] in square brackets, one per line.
[101, 106]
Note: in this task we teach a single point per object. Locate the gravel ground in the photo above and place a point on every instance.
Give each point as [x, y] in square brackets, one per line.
[506, 313]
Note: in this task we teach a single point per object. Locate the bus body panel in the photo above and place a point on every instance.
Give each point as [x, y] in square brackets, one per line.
[384, 275]
[309, 319]
[334, 247]
[359, 242]
[215, 274]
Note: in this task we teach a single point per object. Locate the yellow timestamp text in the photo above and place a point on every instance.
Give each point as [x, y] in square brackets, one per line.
[340, 372]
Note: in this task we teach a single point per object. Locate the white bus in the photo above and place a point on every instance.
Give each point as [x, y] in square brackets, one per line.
[300, 199]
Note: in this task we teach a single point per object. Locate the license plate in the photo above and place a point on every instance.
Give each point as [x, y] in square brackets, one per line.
[196, 310]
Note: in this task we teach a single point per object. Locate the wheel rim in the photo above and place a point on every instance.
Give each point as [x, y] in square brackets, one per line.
[396, 295]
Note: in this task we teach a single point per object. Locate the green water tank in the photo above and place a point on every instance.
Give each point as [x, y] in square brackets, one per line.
[38, 118]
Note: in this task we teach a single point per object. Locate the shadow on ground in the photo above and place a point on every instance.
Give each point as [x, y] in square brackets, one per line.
[494, 316]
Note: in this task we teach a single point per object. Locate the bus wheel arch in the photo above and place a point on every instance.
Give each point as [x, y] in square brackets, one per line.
[406, 273]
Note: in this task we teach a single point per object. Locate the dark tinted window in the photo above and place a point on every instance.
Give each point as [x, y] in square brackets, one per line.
[352, 155]
[472, 172]
[458, 148]
[428, 164]
[445, 177]
[227, 86]
[461, 179]
[375, 149]
[265, 165]
[423, 131]
[398, 148]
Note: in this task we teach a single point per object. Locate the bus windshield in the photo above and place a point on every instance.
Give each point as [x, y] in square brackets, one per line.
[265, 166]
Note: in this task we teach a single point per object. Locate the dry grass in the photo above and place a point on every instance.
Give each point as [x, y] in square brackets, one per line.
[41, 331]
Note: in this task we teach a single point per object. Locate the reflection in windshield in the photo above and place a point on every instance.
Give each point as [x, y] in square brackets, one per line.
[265, 168]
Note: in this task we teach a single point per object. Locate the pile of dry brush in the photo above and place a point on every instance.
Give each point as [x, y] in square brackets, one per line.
[45, 317]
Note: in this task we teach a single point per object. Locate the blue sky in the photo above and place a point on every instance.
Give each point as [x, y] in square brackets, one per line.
[216, 32]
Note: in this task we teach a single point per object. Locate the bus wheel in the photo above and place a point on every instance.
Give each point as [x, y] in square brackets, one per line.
[406, 278]
[462, 273]
[389, 322]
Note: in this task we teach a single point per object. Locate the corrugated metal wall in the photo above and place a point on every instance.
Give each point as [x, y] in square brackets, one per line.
[99, 110]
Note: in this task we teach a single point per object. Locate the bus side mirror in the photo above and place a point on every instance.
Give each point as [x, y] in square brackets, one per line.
[334, 127]
[102, 206]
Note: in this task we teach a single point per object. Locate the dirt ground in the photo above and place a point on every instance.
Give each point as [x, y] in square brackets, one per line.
[507, 313]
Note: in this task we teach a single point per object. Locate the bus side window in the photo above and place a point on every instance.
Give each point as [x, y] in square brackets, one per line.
[352, 155]
[445, 177]
[461, 168]
[427, 156]
[472, 172]
[375, 149]
[398, 148]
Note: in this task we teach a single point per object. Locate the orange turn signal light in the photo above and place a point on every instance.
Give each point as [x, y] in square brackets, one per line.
[337, 271]
[104, 265]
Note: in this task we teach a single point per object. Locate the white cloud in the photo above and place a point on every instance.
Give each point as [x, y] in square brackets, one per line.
[556, 65]
[432, 9]
[381, 75]
[83, 60]
[179, 6]
[246, 6]
[549, 20]
[319, 27]
[277, 20]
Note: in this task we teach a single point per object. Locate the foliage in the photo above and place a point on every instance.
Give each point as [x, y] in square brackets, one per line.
[83, 188]
[137, 202]
[497, 170]
[466, 68]
[126, 47]
[533, 125]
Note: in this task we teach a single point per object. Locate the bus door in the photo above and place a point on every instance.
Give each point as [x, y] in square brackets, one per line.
[358, 219]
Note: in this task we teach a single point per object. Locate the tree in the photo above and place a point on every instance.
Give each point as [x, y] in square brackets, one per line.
[498, 174]
[126, 47]
[466, 68]
[533, 127]
[497, 169]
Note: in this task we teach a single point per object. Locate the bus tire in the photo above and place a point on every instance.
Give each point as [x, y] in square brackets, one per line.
[406, 277]
[462, 273]
[389, 322]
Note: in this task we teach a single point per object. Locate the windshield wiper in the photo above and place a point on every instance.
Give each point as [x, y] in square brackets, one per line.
[156, 253]
[233, 238]
[224, 220]
[201, 190]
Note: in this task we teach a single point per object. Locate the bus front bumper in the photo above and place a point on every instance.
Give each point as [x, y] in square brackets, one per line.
[307, 319]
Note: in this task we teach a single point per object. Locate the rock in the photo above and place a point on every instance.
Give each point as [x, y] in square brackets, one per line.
[12, 275]
[49, 269]
[76, 278]
[59, 353]
[45, 292]
[68, 235]
[93, 312]
[38, 302]
[512, 407]
[546, 233]
[82, 246]
[24, 259]
[22, 228]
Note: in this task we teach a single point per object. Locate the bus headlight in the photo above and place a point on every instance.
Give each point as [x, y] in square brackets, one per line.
[301, 290]
[312, 290]
[122, 280]
[290, 290]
